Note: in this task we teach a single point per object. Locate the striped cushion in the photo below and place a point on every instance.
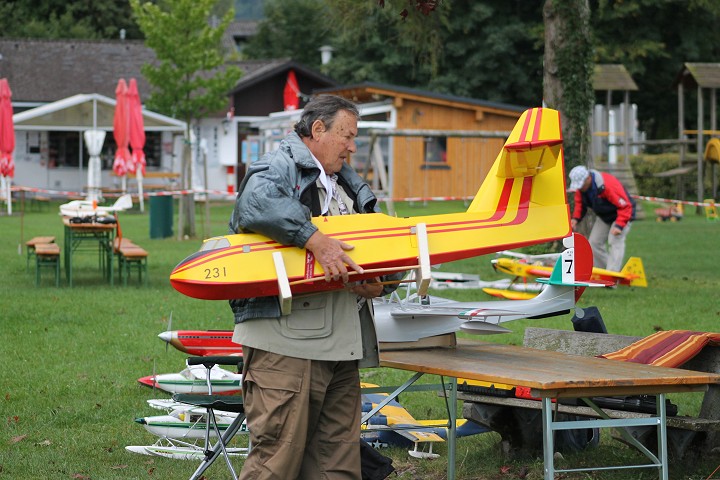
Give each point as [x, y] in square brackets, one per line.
[669, 348]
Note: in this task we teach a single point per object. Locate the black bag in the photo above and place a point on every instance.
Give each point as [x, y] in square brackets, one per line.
[373, 464]
[589, 321]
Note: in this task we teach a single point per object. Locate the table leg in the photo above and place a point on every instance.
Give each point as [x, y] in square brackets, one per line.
[452, 431]
[548, 446]
[662, 436]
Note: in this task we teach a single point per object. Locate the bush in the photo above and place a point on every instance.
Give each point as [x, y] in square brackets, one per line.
[682, 187]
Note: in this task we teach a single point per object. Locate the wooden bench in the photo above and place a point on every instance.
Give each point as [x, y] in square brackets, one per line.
[39, 203]
[47, 255]
[132, 256]
[518, 420]
[32, 243]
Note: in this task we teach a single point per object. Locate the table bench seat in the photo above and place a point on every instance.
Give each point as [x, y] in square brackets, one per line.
[47, 255]
[132, 256]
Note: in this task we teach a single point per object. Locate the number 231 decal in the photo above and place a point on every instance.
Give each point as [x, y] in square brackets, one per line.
[215, 273]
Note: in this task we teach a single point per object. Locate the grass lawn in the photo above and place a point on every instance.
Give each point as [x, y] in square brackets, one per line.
[72, 356]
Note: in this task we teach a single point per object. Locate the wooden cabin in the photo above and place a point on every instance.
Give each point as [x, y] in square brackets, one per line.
[432, 147]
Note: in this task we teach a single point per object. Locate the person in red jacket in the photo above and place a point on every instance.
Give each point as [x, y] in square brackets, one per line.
[615, 210]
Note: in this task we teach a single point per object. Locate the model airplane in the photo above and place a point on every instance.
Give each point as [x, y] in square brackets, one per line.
[183, 422]
[393, 425]
[632, 274]
[180, 449]
[521, 202]
[570, 276]
[469, 281]
[201, 343]
[415, 317]
[193, 380]
[86, 208]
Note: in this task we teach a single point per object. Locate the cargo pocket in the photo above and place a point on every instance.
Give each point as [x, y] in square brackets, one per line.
[310, 318]
[274, 391]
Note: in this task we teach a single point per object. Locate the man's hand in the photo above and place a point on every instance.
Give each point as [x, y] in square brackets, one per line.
[330, 254]
[573, 224]
[615, 230]
[369, 289]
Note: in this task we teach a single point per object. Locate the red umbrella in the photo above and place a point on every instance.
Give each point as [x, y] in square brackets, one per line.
[7, 131]
[291, 94]
[137, 129]
[137, 136]
[7, 140]
[121, 130]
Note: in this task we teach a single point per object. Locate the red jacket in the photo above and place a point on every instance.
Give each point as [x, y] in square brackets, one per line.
[608, 198]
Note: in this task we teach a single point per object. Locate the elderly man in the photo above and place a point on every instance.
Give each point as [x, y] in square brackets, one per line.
[615, 209]
[301, 382]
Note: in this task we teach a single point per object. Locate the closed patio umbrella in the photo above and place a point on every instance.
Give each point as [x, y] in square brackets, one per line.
[121, 127]
[7, 140]
[137, 138]
[291, 93]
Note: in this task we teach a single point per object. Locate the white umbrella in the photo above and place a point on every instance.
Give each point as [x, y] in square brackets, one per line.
[94, 141]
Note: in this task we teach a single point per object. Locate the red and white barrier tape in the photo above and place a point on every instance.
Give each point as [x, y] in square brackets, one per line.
[669, 200]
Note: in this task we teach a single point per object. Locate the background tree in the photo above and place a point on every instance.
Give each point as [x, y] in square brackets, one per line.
[190, 78]
[568, 71]
[62, 19]
[294, 31]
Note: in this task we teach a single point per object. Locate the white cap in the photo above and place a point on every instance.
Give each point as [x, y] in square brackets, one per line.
[577, 177]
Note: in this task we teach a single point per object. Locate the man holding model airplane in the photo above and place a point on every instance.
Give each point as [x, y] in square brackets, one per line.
[301, 382]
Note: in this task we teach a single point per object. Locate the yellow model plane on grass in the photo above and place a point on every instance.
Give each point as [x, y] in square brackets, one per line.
[521, 202]
[632, 274]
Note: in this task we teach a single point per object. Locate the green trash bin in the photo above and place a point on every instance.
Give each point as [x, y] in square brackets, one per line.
[161, 216]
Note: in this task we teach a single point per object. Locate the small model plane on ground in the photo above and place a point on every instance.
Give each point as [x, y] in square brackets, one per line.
[632, 274]
[202, 343]
[393, 425]
[86, 208]
[522, 201]
[185, 422]
[193, 380]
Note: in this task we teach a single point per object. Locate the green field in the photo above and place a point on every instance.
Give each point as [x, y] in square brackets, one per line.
[72, 356]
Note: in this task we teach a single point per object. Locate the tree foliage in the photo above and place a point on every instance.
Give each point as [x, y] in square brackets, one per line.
[296, 32]
[190, 78]
[89, 19]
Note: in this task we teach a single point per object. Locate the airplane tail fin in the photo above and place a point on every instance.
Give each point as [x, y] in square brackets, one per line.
[123, 203]
[528, 171]
[634, 269]
[574, 267]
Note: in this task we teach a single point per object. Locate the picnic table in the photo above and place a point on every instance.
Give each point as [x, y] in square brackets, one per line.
[89, 236]
[551, 375]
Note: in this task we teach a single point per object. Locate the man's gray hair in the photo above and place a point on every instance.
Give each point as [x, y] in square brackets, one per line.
[323, 108]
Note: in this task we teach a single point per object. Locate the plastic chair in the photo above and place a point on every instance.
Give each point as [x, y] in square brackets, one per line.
[212, 403]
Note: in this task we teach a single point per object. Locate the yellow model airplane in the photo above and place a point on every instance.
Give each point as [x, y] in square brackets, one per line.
[632, 274]
[521, 202]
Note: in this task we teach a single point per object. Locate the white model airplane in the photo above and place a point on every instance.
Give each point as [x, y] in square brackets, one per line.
[86, 208]
[416, 318]
[193, 380]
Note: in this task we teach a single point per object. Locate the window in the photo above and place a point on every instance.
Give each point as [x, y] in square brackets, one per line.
[435, 154]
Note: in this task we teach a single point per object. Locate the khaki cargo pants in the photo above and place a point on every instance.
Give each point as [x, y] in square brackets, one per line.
[303, 417]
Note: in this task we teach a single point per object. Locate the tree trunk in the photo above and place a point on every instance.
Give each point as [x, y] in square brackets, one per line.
[567, 76]
[186, 214]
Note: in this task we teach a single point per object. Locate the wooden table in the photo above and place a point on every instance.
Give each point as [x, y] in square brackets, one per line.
[101, 234]
[552, 375]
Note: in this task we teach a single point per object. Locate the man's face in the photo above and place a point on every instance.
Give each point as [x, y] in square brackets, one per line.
[333, 146]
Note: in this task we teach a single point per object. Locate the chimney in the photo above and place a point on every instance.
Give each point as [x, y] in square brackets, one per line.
[326, 52]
